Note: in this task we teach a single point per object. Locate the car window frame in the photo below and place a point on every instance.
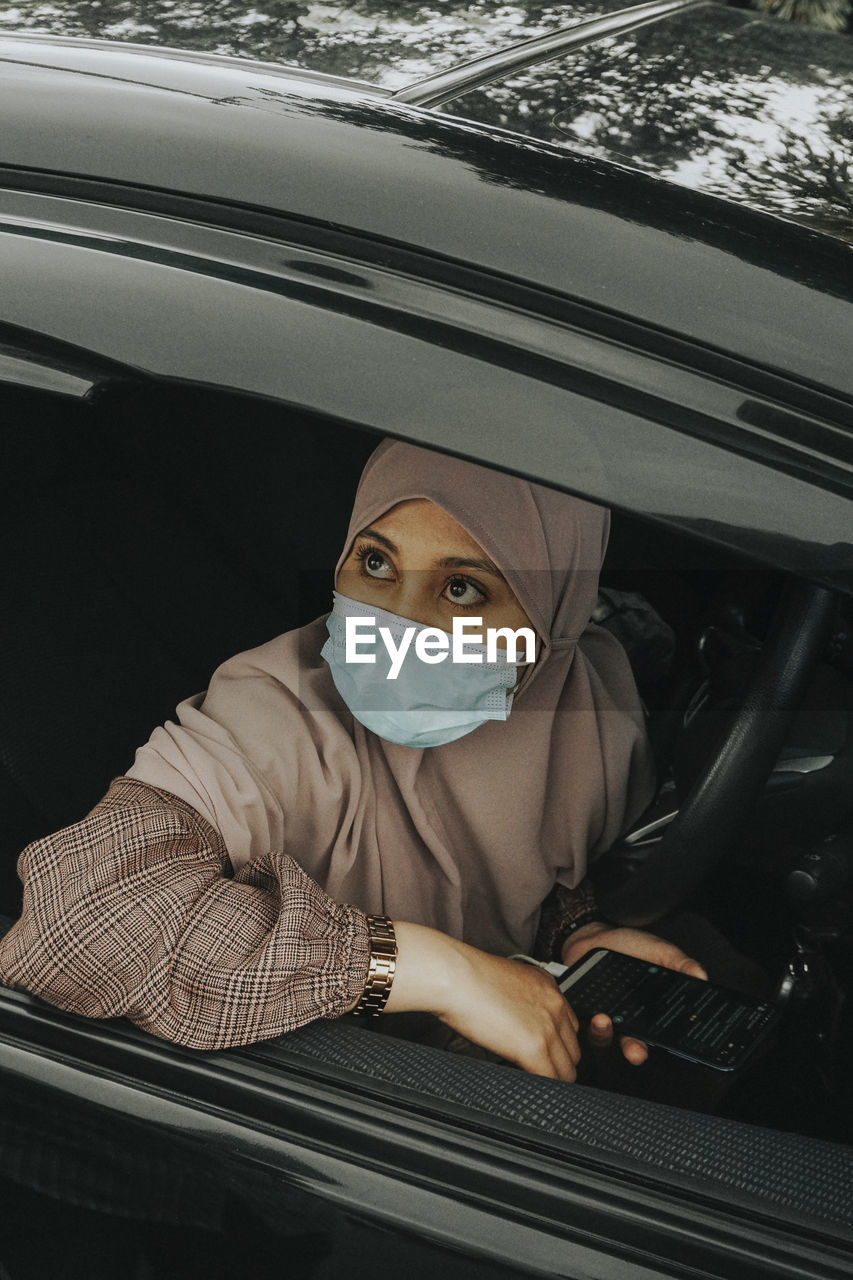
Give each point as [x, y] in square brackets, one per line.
[603, 404]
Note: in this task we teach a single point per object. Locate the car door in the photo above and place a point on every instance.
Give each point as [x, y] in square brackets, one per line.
[122, 306]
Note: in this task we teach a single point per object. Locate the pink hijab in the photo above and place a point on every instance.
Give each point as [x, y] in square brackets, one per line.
[469, 837]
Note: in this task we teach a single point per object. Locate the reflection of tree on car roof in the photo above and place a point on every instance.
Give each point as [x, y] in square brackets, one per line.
[717, 99]
[711, 98]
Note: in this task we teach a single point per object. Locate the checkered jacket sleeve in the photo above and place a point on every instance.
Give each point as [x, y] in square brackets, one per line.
[134, 912]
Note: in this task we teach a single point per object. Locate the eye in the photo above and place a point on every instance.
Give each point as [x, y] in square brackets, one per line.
[462, 592]
[373, 563]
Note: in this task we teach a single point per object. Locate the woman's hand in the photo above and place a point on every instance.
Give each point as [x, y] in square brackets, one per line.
[513, 1009]
[631, 942]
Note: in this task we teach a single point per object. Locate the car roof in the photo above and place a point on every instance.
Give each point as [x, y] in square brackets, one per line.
[740, 104]
[338, 154]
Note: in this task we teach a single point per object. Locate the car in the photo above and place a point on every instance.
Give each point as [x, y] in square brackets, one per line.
[223, 281]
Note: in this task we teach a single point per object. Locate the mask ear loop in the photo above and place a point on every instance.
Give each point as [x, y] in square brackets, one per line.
[527, 669]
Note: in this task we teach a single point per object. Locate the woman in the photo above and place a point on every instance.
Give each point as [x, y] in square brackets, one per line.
[243, 877]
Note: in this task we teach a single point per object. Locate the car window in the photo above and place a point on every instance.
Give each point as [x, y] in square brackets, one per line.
[236, 503]
[718, 100]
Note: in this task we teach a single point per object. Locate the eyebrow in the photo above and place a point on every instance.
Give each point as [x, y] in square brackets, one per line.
[379, 537]
[448, 562]
[461, 562]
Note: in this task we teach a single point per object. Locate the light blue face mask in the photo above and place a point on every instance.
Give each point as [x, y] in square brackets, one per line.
[426, 704]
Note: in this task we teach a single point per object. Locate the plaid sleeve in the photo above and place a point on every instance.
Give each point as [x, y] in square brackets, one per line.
[564, 911]
[133, 912]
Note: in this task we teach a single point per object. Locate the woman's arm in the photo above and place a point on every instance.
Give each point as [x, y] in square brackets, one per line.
[131, 913]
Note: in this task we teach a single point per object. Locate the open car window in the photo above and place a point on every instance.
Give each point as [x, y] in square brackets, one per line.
[234, 502]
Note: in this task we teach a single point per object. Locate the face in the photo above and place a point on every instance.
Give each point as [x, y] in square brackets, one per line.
[418, 562]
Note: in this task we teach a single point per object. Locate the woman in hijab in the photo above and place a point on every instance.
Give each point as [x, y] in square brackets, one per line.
[319, 833]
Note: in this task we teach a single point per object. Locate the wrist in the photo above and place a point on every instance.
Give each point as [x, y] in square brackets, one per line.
[580, 940]
[563, 913]
[428, 970]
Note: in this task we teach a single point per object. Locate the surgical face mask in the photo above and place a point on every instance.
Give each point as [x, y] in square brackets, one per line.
[427, 703]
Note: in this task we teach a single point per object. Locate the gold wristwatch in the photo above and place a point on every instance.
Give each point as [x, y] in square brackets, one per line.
[381, 968]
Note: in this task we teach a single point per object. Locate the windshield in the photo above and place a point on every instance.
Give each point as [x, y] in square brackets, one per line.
[387, 42]
[722, 101]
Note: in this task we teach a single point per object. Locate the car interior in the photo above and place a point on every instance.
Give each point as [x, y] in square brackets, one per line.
[150, 531]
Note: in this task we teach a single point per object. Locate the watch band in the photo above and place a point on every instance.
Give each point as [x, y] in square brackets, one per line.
[381, 967]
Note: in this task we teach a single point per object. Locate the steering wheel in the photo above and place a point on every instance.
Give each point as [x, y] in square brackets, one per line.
[637, 884]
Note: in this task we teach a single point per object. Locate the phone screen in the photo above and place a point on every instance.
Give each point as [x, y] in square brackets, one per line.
[683, 1015]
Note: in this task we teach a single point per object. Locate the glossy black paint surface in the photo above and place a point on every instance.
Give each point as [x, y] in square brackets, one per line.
[458, 371]
[325, 1157]
[613, 239]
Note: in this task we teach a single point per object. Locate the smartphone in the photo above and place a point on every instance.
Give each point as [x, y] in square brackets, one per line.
[683, 1015]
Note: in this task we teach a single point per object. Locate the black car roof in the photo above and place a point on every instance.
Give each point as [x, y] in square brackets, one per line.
[733, 102]
[772, 293]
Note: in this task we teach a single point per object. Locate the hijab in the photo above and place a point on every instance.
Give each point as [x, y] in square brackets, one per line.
[468, 837]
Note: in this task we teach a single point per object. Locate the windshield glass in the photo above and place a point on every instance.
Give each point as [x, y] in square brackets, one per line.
[728, 102]
[386, 42]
